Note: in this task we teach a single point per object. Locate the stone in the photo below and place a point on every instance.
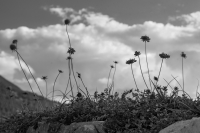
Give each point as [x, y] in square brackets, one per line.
[187, 126]
[81, 127]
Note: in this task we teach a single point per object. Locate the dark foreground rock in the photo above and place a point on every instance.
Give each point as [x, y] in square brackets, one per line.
[187, 126]
[82, 127]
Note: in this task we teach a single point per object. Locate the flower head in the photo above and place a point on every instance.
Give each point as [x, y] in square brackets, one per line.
[155, 78]
[60, 71]
[183, 55]
[67, 21]
[79, 94]
[145, 38]
[137, 53]
[115, 62]
[71, 50]
[79, 75]
[164, 56]
[14, 41]
[131, 61]
[69, 58]
[112, 66]
[13, 47]
[44, 77]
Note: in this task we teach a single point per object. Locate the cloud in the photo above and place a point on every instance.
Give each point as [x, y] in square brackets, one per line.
[99, 40]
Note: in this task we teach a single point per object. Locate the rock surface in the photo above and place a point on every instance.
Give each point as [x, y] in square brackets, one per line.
[187, 126]
[82, 127]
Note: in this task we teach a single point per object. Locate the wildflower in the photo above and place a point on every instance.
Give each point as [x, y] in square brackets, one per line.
[137, 53]
[79, 75]
[71, 50]
[155, 78]
[14, 41]
[164, 56]
[112, 66]
[145, 38]
[79, 95]
[44, 77]
[176, 88]
[67, 21]
[60, 71]
[13, 47]
[183, 55]
[131, 61]
[115, 62]
[69, 57]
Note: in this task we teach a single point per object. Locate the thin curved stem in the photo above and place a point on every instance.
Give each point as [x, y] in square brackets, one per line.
[147, 65]
[142, 73]
[134, 77]
[30, 72]
[113, 79]
[54, 86]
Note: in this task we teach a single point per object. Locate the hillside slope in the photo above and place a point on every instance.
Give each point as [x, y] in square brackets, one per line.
[13, 99]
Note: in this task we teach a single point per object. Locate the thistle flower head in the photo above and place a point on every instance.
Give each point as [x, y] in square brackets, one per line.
[44, 77]
[164, 56]
[71, 50]
[115, 62]
[60, 71]
[79, 75]
[183, 55]
[131, 61]
[79, 95]
[69, 58]
[145, 38]
[137, 53]
[67, 21]
[155, 78]
[14, 41]
[13, 47]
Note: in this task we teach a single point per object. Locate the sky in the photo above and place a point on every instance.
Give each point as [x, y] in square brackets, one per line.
[101, 32]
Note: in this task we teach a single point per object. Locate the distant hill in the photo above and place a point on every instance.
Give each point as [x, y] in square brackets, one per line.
[13, 99]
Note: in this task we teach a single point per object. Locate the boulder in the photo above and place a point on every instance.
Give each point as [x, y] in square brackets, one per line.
[187, 126]
[82, 127]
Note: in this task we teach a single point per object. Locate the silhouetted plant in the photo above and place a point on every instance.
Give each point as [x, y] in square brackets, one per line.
[146, 39]
[131, 61]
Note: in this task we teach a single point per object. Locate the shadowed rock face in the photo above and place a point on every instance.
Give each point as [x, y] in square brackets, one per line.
[82, 127]
[187, 126]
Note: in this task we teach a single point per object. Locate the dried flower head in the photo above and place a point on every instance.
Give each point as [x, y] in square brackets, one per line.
[69, 58]
[131, 61]
[183, 55]
[145, 38]
[164, 56]
[13, 47]
[176, 88]
[71, 50]
[115, 62]
[60, 71]
[79, 75]
[14, 41]
[112, 66]
[137, 53]
[79, 95]
[155, 78]
[67, 21]
[44, 77]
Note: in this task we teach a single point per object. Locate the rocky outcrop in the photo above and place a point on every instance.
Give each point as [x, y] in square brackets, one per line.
[82, 127]
[187, 126]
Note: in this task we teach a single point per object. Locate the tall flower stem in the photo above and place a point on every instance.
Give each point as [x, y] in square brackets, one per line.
[134, 77]
[114, 77]
[54, 85]
[159, 72]
[147, 66]
[142, 73]
[183, 75]
[30, 72]
[109, 75]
